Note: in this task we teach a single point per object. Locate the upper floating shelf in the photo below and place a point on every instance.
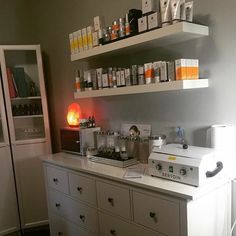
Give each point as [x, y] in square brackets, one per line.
[146, 88]
[171, 34]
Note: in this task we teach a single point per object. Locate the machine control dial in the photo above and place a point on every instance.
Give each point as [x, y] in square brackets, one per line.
[159, 166]
[183, 171]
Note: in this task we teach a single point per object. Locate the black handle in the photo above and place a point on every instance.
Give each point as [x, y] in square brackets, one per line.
[60, 233]
[58, 204]
[55, 180]
[82, 217]
[113, 232]
[219, 167]
[152, 214]
[79, 189]
[111, 201]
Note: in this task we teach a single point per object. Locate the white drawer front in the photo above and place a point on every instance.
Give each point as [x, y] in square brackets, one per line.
[57, 179]
[138, 231]
[156, 213]
[82, 188]
[114, 199]
[74, 211]
[61, 227]
[111, 226]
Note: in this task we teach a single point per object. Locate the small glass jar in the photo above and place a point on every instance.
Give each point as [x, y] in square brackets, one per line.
[156, 141]
[143, 150]
[101, 141]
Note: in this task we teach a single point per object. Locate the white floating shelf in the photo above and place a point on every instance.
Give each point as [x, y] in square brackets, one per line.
[27, 116]
[171, 34]
[25, 98]
[147, 88]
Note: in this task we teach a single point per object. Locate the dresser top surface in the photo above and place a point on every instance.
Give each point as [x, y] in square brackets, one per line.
[159, 185]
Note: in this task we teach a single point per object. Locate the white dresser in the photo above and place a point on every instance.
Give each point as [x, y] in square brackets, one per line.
[86, 198]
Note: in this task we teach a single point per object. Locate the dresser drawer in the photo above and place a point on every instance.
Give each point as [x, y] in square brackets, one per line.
[74, 211]
[114, 199]
[62, 227]
[57, 179]
[156, 213]
[111, 226]
[82, 188]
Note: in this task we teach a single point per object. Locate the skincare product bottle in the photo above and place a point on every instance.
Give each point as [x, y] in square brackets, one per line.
[165, 12]
[189, 11]
[127, 25]
[77, 80]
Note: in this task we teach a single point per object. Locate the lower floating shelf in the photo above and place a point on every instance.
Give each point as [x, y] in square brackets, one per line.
[147, 88]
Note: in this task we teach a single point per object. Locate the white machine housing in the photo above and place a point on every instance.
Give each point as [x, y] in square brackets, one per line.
[193, 166]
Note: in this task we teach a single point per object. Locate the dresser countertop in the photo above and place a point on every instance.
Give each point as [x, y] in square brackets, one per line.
[84, 165]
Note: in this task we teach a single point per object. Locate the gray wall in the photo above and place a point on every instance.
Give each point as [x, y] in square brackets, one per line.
[194, 110]
[14, 22]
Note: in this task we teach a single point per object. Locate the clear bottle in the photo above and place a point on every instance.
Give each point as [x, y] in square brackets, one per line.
[77, 81]
[127, 25]
[93, 122]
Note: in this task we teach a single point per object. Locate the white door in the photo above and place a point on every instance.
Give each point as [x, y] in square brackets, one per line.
[9, 220]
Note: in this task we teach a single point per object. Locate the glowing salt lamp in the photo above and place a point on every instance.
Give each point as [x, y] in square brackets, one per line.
[73, 115]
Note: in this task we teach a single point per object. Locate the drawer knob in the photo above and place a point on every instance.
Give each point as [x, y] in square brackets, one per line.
[153, 216]
[113, 232]
[79, 189]
[82, 217]
[60, 233]
[111, 201]
[77, 141]
[55, 180]
[58, 205]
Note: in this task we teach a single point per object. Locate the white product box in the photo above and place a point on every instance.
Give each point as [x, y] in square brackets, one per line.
[118, 78]
[154, 20]
[105, 80]
[163, 71]
[122, 77]
[85, 39]
[148, 71]
[95, 39]
[195, 68]
[90, 31]
[142, 24]
[171, 71]
[72, 50]
[99, 77]
[80, 41]
[157, 71]
[99, 22]
[75, 41]
[150, 6]
[180, 69]
[127, 77]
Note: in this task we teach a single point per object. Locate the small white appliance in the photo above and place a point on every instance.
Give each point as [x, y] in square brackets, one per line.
[185, 164]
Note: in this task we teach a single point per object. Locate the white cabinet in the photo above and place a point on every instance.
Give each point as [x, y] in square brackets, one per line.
[133, 207]
[27, 122]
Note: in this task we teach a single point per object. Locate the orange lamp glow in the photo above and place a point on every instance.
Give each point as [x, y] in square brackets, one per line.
[73, 115]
